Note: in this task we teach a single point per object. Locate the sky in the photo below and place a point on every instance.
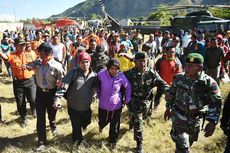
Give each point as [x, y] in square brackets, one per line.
[27, 9]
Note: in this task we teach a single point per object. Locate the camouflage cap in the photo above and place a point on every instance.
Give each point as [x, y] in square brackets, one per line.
[140, 55]
[194, 58]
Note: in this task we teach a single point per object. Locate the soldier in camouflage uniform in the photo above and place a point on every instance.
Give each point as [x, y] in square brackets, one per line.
[192, 97]
[142, 80]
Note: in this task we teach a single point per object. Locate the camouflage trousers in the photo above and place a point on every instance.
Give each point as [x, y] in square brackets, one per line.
[184, 132]
[137, 114]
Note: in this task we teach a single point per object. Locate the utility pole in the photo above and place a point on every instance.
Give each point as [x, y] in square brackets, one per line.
[14, 15]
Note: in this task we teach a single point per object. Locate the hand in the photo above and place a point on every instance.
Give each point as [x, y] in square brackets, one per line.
[57, 105]
[24, 67]
[209, 129]
[60, 84]
[168, 114]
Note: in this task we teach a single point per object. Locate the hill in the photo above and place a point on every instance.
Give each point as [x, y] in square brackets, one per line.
[128, 8]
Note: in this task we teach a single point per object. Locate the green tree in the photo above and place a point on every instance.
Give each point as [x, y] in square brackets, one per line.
[220, 12]
[94, 16]
[161, 14]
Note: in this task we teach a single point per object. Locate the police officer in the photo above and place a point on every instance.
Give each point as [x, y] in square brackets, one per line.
[142, 80]
[192, 97]
[48, 71]
[23, 80]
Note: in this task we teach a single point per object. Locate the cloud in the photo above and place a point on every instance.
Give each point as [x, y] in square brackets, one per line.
[7, 17]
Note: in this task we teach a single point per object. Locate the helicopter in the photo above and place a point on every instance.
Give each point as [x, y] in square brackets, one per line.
[202, 20]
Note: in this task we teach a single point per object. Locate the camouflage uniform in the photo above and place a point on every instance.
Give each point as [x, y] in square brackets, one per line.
[190, 101]
[141, 84]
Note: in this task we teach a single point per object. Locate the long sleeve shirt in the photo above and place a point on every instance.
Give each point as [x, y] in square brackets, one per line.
[109, 91]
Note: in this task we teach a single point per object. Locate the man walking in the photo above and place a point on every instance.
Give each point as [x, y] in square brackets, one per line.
[192, 97]
[142, 80]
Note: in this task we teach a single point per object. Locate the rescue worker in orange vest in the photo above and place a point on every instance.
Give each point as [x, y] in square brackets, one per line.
[23, 80]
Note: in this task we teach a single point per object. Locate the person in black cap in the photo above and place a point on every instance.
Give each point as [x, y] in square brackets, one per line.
[48, 72]
[193, 97]
[99, 59]
[23, 80]
[142, 80]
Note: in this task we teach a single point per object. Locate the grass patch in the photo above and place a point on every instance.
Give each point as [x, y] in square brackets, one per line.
[14, 138]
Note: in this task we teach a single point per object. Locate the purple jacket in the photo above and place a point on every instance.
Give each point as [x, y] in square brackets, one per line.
[109, 93]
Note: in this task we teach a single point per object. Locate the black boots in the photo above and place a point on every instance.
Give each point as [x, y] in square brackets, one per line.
[139, 148]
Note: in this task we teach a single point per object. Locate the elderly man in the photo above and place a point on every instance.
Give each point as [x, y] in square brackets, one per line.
[142, 80]
[192, 97]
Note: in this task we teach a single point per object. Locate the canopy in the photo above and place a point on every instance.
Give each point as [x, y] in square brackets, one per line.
[64, 22]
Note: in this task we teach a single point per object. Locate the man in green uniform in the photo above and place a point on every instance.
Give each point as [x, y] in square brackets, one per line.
[192, 97]
[142, 80]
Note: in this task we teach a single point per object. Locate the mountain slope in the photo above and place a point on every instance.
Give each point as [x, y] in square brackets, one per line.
[128, 8]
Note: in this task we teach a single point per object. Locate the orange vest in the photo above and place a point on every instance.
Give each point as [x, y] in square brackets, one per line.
[16, 61]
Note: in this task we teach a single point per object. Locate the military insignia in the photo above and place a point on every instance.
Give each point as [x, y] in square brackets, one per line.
[191, 59]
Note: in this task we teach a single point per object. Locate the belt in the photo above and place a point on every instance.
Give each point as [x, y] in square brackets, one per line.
[187, 113]
[46, 90]
[21, 80]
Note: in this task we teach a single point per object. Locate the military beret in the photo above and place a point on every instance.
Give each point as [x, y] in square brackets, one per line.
[194, 58]
[140, 55]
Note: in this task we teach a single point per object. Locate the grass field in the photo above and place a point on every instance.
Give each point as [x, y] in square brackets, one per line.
[14, 138]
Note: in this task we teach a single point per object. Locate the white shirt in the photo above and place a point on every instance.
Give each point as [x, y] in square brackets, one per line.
[58, 51]
[185, 40]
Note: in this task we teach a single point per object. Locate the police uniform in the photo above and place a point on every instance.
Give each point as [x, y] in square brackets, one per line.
[23, 80]
[46, 76]
[141, 85]
[191, 101]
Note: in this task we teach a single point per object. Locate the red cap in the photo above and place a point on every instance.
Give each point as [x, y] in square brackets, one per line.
[83, 56]
[219, 36]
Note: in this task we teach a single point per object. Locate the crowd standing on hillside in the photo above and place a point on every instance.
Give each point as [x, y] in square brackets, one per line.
[120, 69]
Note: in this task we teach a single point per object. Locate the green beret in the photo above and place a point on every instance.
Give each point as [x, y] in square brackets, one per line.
[194, 58]
[140, 55]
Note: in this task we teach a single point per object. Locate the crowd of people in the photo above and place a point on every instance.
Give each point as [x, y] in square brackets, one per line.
[119, 68]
